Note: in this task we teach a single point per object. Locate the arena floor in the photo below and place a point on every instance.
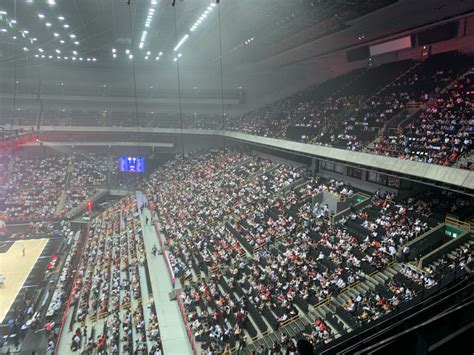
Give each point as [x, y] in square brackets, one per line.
[16, 267]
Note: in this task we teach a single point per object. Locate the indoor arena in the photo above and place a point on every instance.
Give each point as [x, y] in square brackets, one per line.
[226, 177]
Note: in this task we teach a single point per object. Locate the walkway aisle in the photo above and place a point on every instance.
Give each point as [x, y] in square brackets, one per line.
[173, 334]
[64, 346]
[145, 299]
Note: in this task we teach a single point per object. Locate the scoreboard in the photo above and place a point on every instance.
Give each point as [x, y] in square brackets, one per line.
[132, 164]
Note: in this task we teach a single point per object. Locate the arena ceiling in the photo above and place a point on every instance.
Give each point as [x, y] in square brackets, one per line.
[104, 32]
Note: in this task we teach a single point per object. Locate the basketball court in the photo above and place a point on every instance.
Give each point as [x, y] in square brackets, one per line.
[15, 268]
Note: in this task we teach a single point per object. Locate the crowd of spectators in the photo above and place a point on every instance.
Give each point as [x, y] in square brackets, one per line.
[50, 185]
[90, 170]
[459, 260]
[352, 111]
[441, 133]
[388, 224]
[250, 247]
[33, 187]
[109, 287]
[300, 109]
[266, 254]
[375, 304]
[351, 117]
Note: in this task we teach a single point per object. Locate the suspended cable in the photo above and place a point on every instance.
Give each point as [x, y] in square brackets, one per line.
[134, 79]
[179, 85]
[222, 95]
[222, 80]
[14, 94]
[14, 80]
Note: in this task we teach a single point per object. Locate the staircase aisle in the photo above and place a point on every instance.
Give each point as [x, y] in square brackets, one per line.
[62, 198]
[173, 333]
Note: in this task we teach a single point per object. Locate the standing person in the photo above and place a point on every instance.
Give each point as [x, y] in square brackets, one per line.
[153, 250]
[146, 220]
[23, 250]
[242, 342]
[406, 253]
[237, 332]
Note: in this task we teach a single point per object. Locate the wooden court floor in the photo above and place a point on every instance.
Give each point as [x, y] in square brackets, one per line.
[15, 268]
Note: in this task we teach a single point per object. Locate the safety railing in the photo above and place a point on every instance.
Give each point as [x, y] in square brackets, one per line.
[72, 293]
[455, 221]
[186, 324]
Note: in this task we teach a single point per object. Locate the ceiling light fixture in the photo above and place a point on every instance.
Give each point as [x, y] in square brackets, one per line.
[202, 17]
[180, 43]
